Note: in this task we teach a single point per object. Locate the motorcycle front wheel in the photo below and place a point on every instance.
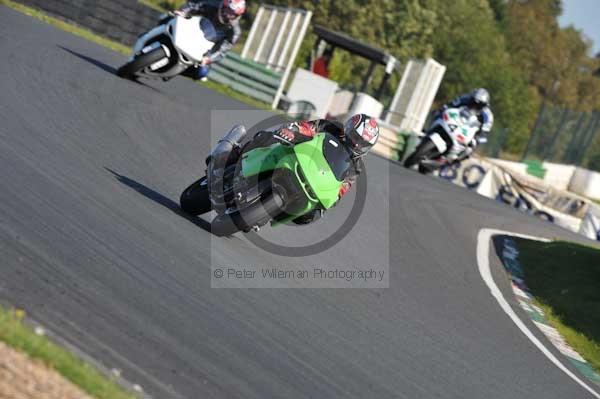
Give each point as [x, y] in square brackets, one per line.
[195, 199]
[140, 62]
[426, 150]
[256, 214]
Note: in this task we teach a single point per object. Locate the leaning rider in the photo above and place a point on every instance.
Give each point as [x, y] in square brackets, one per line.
[478, 101]
[225, 16]
[359, 134]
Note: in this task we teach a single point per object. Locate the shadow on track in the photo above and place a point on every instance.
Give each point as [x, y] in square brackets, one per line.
[159, 199]
[103, 66]
[99, 64]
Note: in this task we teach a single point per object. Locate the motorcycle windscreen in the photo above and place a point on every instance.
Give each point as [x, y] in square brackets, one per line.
[319, 172]
[194, 37]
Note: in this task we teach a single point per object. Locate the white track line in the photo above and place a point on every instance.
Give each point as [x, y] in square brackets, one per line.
[483, 249]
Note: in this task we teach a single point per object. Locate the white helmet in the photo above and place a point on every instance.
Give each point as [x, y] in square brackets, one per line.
[231, 10]
[481, 97]
[361, 133]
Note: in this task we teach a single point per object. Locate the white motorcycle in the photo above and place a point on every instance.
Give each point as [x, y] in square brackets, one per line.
[170, 48]
[446, 141]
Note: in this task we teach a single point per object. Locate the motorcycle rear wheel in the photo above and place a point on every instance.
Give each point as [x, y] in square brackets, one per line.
[426, 150]
[140, 62]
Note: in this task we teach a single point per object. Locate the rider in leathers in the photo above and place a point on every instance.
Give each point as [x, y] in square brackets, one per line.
[478, 101]
[225, 17]
[359, 134]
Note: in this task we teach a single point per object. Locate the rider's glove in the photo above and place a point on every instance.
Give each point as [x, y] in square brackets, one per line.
[285, 135]
[344, 189]
[182, 13]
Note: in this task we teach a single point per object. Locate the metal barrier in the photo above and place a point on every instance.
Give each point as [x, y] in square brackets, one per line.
[274, 41]
[247, 77]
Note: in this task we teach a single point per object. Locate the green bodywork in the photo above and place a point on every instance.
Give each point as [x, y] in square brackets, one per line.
[306, 162]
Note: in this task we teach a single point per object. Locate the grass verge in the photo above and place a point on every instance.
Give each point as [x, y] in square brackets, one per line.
[67, 26]
[121, 48]
[163, 5]
[564, 278]
[18, 336]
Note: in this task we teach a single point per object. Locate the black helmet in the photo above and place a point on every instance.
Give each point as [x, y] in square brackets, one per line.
[361, 133]
[481, 97]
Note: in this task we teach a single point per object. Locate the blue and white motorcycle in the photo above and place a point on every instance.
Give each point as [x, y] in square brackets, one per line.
[448, 139]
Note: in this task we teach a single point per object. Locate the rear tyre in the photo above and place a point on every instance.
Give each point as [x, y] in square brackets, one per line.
[257, 214]
[425, 150]
[140, 62]
[195, 199]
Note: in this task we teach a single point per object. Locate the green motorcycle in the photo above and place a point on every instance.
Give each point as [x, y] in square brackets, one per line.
[272, 184]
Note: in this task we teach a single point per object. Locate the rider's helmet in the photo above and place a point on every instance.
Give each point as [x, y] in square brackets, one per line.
[481, 98]
[230, 10]
[361, 133]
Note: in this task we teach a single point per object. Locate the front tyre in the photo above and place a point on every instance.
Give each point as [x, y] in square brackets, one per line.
[195, 199]
[141, 62]
[256, 214]
[425, 150]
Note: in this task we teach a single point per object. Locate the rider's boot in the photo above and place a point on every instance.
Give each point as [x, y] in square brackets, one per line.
[191, 72]
[202, 73]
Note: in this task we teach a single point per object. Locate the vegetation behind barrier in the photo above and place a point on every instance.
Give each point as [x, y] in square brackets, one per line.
[514, 48]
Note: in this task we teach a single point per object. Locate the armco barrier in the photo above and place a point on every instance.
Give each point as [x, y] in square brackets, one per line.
[555, 175]
[523, 192]
[586, 182]
[247, 77]
[120, 20]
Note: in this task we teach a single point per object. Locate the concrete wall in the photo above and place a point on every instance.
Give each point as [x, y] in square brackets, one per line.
[586, 182]
[120, 20]
[315, 89]
[590, 225]
[558, 176]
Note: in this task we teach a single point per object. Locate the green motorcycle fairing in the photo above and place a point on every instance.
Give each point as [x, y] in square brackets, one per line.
[306, 162]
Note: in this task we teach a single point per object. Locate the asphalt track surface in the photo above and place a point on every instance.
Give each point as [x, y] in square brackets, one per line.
[93, 247]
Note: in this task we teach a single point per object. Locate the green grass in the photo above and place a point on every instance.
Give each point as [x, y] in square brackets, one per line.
[68, 27]
[163, 5]
[226, 91]
[18, 336]
[564, 278]
[121, 48]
